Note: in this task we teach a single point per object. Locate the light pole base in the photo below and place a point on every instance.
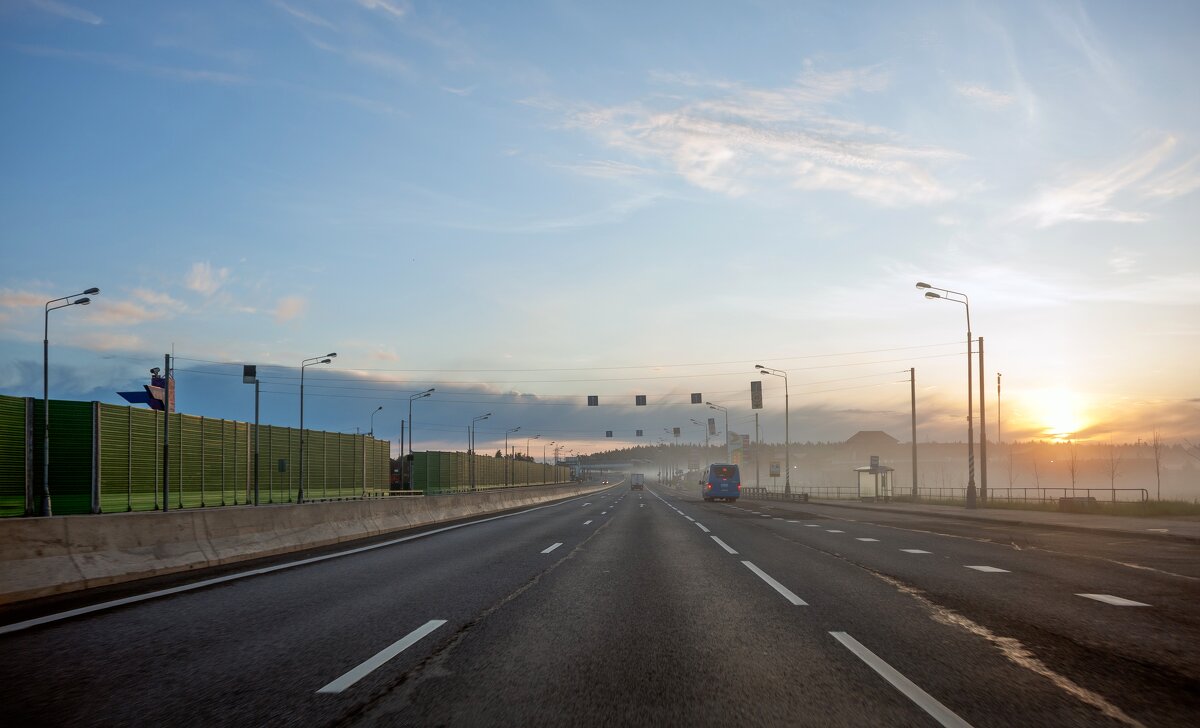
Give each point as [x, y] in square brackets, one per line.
[971, 496]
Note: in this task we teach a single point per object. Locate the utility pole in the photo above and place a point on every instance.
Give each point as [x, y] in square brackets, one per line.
[983, 463]
[912, 388]
[166, 451]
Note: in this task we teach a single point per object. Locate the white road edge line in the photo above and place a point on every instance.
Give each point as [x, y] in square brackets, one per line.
[1115, 601]
[702, 528]
[787, 593]
[551, 548]
[924, 700]
[723, 545]
[381, 657]
[102, 606]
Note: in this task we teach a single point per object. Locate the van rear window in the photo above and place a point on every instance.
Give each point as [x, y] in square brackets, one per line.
[724, 472]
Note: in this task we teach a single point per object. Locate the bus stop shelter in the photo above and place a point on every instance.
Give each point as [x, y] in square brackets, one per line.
[874, 481]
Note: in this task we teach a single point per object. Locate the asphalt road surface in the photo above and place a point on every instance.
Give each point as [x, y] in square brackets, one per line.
[640, 608]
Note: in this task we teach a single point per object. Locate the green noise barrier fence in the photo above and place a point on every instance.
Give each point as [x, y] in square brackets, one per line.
[108, 458]
[457, 472]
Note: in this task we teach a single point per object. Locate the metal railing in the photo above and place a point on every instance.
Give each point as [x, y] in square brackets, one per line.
[1037, 495]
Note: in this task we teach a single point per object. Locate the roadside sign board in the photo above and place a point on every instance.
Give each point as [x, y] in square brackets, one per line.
[756, 394]
[774, 468]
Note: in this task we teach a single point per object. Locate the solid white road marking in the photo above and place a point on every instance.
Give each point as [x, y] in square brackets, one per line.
[866, 539]
[924, 700]
[915, 551]
[723, 545]
[1115, 601]
[787, 594]
[586, 522]
[551, 548]
[702, 528]
[381, 657]
[989, 569]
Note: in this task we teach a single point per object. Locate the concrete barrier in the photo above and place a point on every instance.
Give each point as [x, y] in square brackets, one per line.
[44, 556]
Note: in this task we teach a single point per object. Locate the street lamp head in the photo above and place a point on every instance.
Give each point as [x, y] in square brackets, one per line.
[81, 301]
[331, 354]
[931, 294]
[379, 408]
[326, 361]
[91, 291]
[428, 391]
[759, 366]
[923, 285]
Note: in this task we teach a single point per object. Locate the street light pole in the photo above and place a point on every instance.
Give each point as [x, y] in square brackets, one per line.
[480, 418]
[416, 396]
[372, 433]
[719, 408]
[47, 509]
[508, 469]
[965, 301]
[328, 358]
[787, 421]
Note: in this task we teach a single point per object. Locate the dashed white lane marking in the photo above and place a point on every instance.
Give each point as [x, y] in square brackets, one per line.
[787, 593]
[915, 551]
[693, 520]
[723, 545]
[793, 521]
[1115, 601]
[833, 530]
[586, 522]
[989, 569]
[702, 528]
[604, 513]
[866, 539]
[924, 700]
[381, 657]
[764, 515]
[551, 548]
[812, 525]
[641, 505]
[586, 504]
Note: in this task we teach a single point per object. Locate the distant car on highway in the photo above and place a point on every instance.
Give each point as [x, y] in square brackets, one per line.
[723, 481]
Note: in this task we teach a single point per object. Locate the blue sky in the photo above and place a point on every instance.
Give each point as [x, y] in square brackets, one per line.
[567, 198]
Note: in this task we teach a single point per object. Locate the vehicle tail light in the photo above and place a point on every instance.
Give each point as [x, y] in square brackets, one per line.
[739, 486]
[708, 486]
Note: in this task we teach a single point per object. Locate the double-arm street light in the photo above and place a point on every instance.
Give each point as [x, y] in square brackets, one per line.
[509, 470]
[326, 359]
[719, 408]
[787, 418]
[418, 395]
[47, 510]
[377, 409]
[944, 294]
[704, 427]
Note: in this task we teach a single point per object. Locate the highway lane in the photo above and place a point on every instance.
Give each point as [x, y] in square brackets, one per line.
[255, 651]
[1137, 659]
[629, 607]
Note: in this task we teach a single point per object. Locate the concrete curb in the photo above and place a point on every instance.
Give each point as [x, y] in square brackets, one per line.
[44, 556]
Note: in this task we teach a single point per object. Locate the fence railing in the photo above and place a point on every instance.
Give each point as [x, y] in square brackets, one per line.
[1037, 495]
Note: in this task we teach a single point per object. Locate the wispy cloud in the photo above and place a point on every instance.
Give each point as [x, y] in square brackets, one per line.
[729, 138]
[1093, 196]
[122, 313]
[124, 63]
[21, 299]
[109, 341]
[70, 12]
[392, 8]
[205, 279]
[303, 15]
[289, 307]
[984, 96]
